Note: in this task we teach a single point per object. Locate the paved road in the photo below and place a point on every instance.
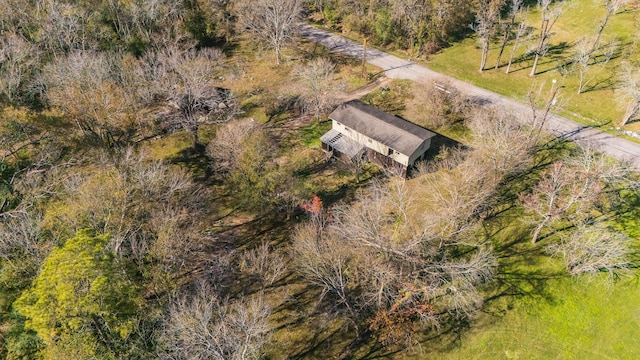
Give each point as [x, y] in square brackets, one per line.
[395, 67]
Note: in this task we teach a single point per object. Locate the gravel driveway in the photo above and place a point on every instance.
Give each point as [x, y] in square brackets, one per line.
[397, 68]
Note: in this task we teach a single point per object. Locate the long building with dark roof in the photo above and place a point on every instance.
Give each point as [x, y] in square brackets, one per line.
[359, 129]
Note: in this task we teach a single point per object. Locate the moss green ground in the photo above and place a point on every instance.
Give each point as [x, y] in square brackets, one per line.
[576, 319]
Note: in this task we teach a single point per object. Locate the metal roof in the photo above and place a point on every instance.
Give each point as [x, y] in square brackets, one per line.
[341, 143]
[390, 130]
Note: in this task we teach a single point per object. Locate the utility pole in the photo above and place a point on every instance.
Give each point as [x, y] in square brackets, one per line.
[364, 58]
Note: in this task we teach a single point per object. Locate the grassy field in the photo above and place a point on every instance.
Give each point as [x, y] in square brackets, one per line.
[598, 105]
[573, 319]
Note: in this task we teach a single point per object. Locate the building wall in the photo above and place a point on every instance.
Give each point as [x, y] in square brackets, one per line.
[418, 153]
[373, 144]
[387, 163]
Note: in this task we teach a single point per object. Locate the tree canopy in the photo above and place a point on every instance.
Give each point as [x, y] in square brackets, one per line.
[84, 302]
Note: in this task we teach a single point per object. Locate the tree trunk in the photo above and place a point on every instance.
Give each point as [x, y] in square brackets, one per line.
[544, 33]
[194, 135]
[632, 110]
[278, 54]
[485, 53]
[364, 58]
[535, 65]
[594, 47]
[516, 42]
[505, 40]
[507, 31]
[536, 232]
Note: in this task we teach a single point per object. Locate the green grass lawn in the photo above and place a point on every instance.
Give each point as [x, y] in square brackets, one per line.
[597, 106]
[578, 319]
[310, 134]
[535, 310]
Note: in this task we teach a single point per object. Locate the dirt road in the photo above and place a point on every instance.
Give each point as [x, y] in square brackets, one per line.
[395, 67]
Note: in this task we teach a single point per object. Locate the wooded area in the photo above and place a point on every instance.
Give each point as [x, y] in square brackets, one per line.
[163, 193]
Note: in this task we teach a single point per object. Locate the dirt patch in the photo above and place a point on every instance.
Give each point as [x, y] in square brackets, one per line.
[364, 90]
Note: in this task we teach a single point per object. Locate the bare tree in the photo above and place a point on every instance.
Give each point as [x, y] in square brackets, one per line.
[366, 263]
[290, 189]
[505, 144]
[324, 261]
[64, 29]
[460, 196]
[520, 32]
[612, 7]
[273, 21]
[547, 202]
[549, 17]
[569, 188]
[19, 17]
[487, 15]
[629, 87]
[585, 51]
[226, 148]
[152, 23]
[539, 118]
[507, 27]
[594, 249]
[462, 293]
[85, 85]
[412, 16]
[435, 108]
[358, 162]
[243, 153]
[319, 91]
[264, 263]
[149, 208]
[380, 259]
[20, 236]
[366, 222]
[581, 59]
[201, 326]
[609, 51]
[185, 77]
[18, 59]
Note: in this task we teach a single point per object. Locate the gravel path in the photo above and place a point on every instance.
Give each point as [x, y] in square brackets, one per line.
[395, 67]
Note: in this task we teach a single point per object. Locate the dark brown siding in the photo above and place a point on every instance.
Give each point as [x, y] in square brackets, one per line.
[387, 163]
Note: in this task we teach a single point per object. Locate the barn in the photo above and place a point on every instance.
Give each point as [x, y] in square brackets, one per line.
[361, 130]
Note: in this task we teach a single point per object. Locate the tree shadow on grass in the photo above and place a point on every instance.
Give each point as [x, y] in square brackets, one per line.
[515, 281]
[557, 54]
[521, 62]
[448, 338]
[195, 161]
[607, 83]
[343, 194]
[317, 346]
[313, 331]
